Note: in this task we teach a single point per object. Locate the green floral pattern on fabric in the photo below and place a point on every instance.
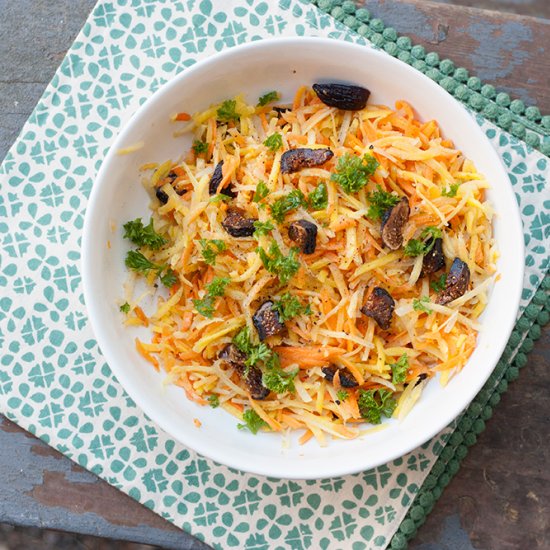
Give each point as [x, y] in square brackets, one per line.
[53, 380]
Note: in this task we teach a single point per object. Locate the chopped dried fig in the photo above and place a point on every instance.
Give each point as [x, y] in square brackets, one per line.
[434, 260]
[252, 375]
[379, 306]
[342, 96]
[267, 321]
[457, 282]
[237, 224]
[215, 181]
[304, 234]
[297, 159]
[161, 195]
[393, 223]
[347, 380]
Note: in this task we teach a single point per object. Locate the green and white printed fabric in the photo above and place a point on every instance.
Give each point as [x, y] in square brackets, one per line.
[53, 379]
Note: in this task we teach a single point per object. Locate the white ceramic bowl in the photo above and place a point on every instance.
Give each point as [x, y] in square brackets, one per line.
[284, 65]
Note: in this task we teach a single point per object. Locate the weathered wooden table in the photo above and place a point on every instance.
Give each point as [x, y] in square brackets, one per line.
[500, 499]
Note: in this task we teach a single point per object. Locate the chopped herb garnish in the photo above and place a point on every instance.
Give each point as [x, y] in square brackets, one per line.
[318, 198]
[205, 306]
[421, 304]
[200, 147]
[252, 420]
[287, 203]
[262, 191]
[373, 404]
[143, 235]
[214, 400]
[220, 197]
[211, 248]
[255, 353]
[289, 306]
[274, 142]
[270, 97]
[416, 247]
[380, 201]
[261, 352]
[169, 278]
[136, 261]
[279, 381]
[399, 369]
[353, 172]
[125, 307]
[262, 228]
[451, 191]
[227, 111]
[439, 284]
[342, 395]
[279, 264]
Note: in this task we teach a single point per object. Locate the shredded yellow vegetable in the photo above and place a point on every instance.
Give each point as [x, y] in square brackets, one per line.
[338, 360]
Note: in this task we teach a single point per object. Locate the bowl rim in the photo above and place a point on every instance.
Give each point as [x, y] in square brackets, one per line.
[304, 470]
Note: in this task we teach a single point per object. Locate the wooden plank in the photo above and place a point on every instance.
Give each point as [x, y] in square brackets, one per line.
[510, 51]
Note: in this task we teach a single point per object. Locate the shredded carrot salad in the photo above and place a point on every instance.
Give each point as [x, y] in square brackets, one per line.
[329, 367]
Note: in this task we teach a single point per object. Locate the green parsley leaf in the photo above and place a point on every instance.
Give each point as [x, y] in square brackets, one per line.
[227, 111]
[318, 198]
[252, 420]
[214, 400]
[143, 235]
[287, 203]
[416, 247]
[399, 369]
[261, 352]
[125, 307]
[205, 306]
[274, 142]
[217, 286]
[373, 404]
[136, 261]
[219, 198]
[211, 248]
[342, 395]
[262, 228]
[169, 278]
[279, 381]
[255, 353]
[451, 191]
[380, 201]
[262, 191]
[278, 264]
[270, 97]
[242, 340]
[200, 147]
[353, 172]
[439, 284]
[288, 307]
[421, 304]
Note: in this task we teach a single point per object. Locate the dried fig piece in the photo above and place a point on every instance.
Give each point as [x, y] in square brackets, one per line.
[252, 376]
[297, 159]
[215, 181]
[434, 260]
[267, 321]
[161, 195]
[457, 283]
[347, 380]
[342, 96]
[393, 223]
[237, 224]
[379, 306]
[304, 234]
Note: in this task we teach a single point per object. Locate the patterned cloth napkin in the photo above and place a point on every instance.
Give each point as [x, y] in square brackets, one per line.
[54, 381]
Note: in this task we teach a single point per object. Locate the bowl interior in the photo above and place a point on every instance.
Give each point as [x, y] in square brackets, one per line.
[118, 196]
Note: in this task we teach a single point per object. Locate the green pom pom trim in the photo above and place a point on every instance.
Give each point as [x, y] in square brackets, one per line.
[524, 122]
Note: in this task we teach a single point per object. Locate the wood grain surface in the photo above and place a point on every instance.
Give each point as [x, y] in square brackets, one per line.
[500, 498]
